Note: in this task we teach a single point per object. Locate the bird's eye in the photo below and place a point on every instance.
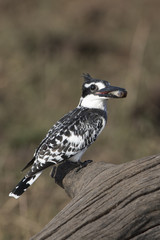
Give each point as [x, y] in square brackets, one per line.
[93, 88]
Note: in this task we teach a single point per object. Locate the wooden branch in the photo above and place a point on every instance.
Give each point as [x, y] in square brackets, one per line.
[110, 202]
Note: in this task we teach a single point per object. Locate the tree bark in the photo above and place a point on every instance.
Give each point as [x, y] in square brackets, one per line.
[110, 201]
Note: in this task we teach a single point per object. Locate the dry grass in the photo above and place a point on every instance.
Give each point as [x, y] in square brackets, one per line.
[44, 48]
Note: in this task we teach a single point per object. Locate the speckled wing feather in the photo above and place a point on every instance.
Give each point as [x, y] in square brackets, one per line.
[68, 137]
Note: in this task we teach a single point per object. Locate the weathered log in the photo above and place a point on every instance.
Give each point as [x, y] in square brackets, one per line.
[110, 202]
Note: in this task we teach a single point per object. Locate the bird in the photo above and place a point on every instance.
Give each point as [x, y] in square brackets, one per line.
[70, 137]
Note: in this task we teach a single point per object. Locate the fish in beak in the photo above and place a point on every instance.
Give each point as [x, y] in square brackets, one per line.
[112, 92]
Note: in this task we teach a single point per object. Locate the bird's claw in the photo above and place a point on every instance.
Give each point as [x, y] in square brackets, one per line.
[83, 164]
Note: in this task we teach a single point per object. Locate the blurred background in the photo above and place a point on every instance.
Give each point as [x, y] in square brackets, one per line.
[45, 46]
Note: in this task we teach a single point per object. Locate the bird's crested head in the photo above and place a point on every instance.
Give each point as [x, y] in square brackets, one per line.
[95, 92]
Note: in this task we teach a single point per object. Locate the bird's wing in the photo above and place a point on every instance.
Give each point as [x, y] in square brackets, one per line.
[70, 135]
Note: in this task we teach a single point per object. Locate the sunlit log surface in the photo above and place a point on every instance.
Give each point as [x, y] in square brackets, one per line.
[110, 202]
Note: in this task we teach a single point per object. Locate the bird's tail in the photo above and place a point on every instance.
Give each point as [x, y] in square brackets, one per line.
[23, 185]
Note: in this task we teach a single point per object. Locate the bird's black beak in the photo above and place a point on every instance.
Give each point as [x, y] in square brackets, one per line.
[112, 92]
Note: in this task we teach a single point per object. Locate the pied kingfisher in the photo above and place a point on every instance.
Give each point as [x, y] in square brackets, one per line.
[70, 137]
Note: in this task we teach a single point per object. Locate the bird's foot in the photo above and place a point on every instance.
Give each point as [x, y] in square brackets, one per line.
[60, 171]
[83, 164]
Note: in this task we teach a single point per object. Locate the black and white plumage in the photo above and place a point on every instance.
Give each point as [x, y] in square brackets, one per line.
[70, 137]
